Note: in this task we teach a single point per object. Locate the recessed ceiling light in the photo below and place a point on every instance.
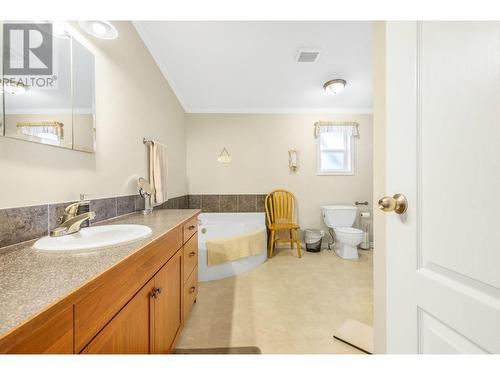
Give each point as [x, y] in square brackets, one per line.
[334, 86]
[99, 29]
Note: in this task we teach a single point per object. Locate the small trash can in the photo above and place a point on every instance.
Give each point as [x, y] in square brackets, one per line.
[313, 239]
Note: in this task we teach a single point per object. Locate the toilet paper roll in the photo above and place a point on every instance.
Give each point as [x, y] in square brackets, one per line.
[365, 215]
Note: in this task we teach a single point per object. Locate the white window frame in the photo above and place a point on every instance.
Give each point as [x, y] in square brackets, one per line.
[349, 155]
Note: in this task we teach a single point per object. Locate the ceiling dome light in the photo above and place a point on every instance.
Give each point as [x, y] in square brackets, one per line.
[99, 29]
[334, 86]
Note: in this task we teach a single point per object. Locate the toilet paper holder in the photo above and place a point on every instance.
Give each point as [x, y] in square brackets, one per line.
[362, 203]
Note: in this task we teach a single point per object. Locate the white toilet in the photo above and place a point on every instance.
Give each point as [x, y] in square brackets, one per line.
[341, 219]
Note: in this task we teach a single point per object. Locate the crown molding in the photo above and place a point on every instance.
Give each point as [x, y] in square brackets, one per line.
[354, 110]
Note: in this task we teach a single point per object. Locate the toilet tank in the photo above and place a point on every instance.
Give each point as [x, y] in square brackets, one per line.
[337, 216]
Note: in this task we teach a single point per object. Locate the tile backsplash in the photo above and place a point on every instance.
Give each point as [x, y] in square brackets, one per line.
[27, 223]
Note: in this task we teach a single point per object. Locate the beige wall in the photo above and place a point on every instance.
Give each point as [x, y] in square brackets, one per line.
[379, 313]
[259, 144]
[133, 100]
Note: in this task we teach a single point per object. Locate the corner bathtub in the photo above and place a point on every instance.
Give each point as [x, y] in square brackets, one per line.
[224, 225]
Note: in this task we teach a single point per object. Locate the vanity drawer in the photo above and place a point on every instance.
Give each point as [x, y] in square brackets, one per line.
[190, 228]
[190, 256]
[190, 292]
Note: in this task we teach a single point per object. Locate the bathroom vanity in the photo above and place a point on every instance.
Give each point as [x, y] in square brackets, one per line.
[132, 298]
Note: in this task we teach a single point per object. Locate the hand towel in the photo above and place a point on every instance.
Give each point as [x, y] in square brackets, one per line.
[159, 165]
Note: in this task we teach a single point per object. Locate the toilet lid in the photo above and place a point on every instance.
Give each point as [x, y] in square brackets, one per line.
[349, 230]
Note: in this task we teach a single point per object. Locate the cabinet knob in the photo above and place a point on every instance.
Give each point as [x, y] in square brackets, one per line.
[192, 254]
[156, 292]
[192, 289]
[191, 227]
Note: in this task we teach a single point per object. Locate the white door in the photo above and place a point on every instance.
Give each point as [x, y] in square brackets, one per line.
[443, 154]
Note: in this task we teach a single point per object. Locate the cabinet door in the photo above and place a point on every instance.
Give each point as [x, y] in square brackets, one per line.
[167, 306]
[129, 331]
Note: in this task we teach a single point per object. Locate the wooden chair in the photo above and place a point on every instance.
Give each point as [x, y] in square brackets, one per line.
[280, 212]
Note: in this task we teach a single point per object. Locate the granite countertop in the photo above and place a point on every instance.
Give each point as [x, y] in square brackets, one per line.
[32, 280]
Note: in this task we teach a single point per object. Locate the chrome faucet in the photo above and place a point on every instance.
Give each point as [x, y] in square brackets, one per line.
[71, 222]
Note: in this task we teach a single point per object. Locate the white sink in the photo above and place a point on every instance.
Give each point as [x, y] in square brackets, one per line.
[94, 238]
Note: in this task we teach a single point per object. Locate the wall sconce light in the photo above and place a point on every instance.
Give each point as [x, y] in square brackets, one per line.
[224, 157]
[293, 160]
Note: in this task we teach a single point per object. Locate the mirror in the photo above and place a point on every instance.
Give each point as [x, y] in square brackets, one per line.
[56, 109]
[83, 98]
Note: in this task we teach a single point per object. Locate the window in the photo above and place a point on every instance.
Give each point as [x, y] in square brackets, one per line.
[335, 150]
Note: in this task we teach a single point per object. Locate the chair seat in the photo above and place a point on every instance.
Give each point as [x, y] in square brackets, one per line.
[283, 226]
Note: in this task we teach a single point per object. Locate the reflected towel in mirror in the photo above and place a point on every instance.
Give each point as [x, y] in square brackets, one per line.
[159, 169]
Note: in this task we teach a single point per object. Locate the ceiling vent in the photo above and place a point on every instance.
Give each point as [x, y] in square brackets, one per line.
[307, 56]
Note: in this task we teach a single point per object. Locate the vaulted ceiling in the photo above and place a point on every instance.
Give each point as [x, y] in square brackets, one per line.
[251, 67]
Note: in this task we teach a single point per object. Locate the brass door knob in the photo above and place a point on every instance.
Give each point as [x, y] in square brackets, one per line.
[396, 203]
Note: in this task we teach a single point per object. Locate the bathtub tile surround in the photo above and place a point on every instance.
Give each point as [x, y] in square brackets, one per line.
[210, 203]
[227, 202]
[247, 203]
[260, 203]
[194, 201]
[176, 203]
[22, 224]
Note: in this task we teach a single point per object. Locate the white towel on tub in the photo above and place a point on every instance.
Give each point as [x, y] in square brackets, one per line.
[159, 165]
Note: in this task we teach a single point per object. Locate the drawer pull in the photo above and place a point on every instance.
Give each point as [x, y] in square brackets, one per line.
[192, 289]
[192, 254]
[191, 227]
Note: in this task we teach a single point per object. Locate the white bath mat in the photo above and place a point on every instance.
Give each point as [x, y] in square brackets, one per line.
[356, 334]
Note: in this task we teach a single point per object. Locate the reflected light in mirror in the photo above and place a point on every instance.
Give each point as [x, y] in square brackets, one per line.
[99, 29]
[14, 88]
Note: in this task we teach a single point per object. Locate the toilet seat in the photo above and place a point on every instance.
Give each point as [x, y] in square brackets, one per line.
[345, 230]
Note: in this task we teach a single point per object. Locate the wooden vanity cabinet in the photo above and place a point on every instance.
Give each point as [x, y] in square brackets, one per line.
[136, 307]
[149, 322]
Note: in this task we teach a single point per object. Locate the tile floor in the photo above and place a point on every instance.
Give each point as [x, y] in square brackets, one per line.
[286, 305]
